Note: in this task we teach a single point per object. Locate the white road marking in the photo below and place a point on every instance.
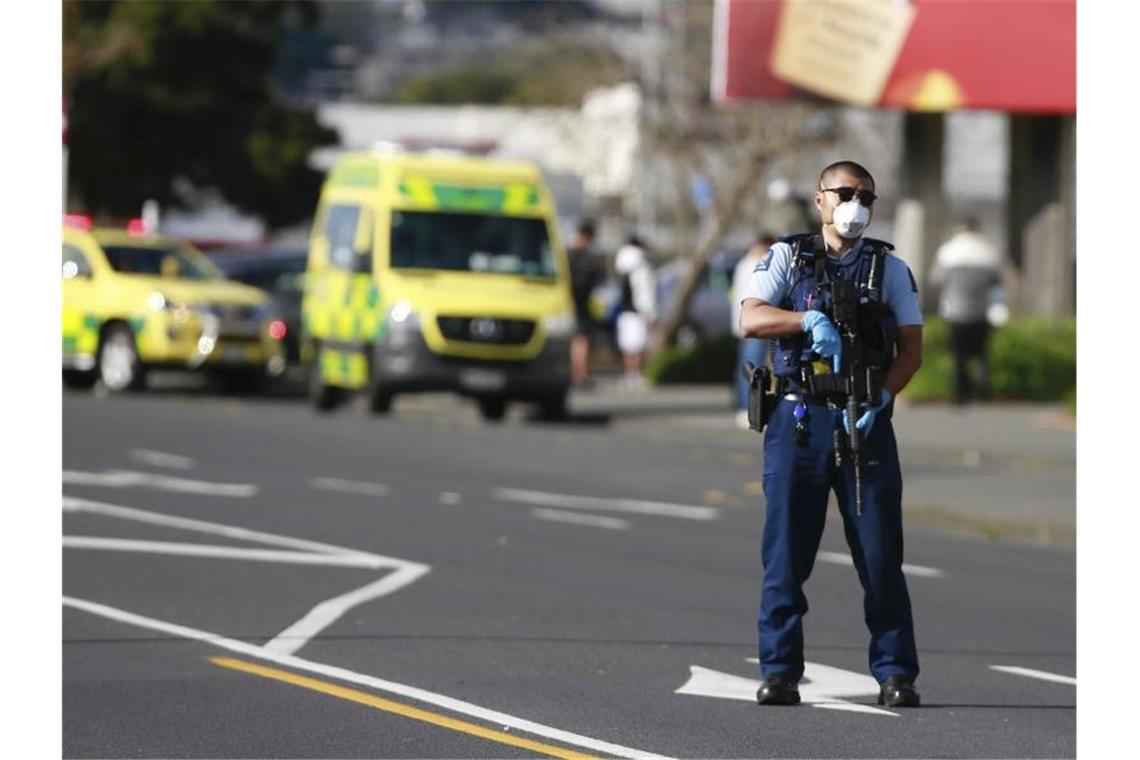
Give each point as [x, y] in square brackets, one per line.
[633, 506]
[322, 615]
[131, 479]
[162, 459]
[821, 686]
[1030, 673]
[839, 558]
[220, 552]
[72, 504]
[576, 518]
[450, 498]
[410, 692]
[359, 487]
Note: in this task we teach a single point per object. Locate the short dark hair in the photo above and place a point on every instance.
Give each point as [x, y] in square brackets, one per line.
[587, 227]
[858, 170]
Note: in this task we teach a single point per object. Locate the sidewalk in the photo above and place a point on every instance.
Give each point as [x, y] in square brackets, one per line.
[1001, 470]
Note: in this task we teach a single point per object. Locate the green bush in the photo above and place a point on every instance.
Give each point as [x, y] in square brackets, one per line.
[711, 361]
[1030, 359]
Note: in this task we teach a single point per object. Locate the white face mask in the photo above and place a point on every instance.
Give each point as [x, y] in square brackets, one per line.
[851, 218]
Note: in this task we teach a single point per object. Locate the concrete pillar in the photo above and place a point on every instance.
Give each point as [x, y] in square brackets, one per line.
[1041, 210]
[923, 139]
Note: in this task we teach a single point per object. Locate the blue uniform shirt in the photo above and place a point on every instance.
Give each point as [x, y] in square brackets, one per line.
[773, 276]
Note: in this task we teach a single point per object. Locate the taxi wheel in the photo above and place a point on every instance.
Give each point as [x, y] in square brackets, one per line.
[492, 408]
[244, 382]
[119, 366]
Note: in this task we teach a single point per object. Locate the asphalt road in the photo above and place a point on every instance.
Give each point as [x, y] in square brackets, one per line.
[244, 578]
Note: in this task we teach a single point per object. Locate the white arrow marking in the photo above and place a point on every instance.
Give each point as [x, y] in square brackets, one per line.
[821, 687]
[838, 558]
[1031, 673]
[130, 479]
[633, 506]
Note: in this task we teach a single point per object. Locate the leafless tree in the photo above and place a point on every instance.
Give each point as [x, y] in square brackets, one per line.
[731, 146]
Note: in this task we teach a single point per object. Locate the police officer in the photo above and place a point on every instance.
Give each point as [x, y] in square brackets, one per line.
[782, 302]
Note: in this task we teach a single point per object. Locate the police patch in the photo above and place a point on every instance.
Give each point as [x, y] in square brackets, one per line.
[913, 284]
[762, 265]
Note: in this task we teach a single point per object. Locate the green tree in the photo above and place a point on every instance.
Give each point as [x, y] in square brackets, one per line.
[165, 95]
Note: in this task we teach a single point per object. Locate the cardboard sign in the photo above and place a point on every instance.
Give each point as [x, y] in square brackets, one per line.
[841, 49]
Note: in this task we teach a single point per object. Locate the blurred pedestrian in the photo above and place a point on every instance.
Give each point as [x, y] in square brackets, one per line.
[754, 350]
[967, 270]
[585, 275]
[789, 298]
[637, 310]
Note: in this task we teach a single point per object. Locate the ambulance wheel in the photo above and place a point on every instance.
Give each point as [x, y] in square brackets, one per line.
[379, 401]
[80, 380]
[553, 407]
[323, 397]
[493, 408]
[119, 366]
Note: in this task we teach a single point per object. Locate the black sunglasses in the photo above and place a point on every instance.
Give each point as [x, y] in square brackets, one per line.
[866, 197]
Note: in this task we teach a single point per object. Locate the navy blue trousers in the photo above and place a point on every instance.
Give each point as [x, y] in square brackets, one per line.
[797, 481]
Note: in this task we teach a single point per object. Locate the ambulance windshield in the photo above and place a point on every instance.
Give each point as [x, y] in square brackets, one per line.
[471, 243]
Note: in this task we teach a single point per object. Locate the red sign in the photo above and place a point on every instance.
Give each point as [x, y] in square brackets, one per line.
[1008, 55]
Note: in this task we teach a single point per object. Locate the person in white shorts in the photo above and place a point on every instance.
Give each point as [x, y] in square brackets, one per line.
[638, 310]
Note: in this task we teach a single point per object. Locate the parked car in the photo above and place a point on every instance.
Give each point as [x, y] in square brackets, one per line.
[280, 272]
[710, 311]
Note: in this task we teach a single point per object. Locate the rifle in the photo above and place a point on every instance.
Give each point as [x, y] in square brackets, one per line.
[858, 382]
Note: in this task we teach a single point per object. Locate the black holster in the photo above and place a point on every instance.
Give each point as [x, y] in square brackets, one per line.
[762, 396]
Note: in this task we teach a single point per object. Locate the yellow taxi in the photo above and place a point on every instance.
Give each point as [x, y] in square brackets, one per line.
[133, 301]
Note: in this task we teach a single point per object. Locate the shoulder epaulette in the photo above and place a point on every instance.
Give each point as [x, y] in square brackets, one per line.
[880, 243]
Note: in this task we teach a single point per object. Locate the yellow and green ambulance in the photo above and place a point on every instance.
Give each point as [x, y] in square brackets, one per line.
[132, 302]
[437, 272]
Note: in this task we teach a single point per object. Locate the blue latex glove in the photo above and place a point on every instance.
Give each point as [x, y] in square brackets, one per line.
[824, 337]
[868, 419]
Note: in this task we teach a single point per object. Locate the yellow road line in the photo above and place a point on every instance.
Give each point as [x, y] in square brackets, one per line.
[360, 697]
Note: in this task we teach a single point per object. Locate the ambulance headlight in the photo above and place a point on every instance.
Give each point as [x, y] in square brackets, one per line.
[403, 322]
[403, 315]
[559, 325]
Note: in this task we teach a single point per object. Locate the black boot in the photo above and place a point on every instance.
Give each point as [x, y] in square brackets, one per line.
[898, 691]
[778, 690]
